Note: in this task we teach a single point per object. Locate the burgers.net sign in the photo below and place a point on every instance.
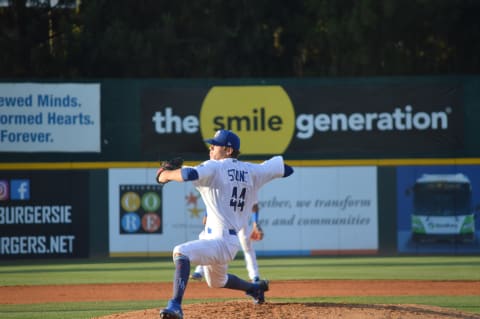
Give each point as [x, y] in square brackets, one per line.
[43, 214]
[360, 120]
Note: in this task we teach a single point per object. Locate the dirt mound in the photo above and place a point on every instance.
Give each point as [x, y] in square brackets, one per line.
[282, 310]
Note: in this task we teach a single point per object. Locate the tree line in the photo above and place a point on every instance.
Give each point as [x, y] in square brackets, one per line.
[238, 38]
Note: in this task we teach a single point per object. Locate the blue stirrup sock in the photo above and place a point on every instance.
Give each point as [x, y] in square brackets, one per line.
[233, 282]
[180, 280]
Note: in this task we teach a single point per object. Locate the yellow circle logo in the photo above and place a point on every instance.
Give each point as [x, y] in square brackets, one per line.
[262, 116]
[130, 201]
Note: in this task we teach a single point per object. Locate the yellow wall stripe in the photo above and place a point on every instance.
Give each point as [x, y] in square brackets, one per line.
[333, 162]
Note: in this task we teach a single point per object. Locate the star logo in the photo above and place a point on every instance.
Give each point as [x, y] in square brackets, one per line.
[192, 201]
[195, 211]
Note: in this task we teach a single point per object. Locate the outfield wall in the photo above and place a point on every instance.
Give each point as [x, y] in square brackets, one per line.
[147, 120]
[320, 210]
[356, 144]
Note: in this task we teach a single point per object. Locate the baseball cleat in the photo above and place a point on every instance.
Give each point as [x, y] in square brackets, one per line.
[258, 291]
[196, 276]
[173, 311]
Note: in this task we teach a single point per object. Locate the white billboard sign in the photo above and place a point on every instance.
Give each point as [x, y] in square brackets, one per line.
[320, 210]
[54, 117]
[317, 210]
[138, 226]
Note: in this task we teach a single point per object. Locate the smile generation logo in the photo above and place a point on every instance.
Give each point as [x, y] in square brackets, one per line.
[262, 116]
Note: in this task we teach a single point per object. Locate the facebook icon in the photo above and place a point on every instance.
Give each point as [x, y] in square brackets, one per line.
[20, 189]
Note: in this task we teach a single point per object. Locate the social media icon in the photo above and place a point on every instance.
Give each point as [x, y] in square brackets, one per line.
[20, 189]
[3, 189]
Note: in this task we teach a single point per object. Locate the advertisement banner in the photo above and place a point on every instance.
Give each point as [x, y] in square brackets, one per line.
[330, 210]
[49, 117]
[397, 120]
[142, 221]
[320, 210]
[438, 209]
[332, 120]
[170, 118]
[43, 214]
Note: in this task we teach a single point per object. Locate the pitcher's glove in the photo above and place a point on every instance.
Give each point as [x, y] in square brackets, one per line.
[170, 165]
[257, 233]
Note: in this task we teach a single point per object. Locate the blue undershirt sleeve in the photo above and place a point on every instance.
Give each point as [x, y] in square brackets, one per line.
[255, 217]
[287, 170]
[189, 174]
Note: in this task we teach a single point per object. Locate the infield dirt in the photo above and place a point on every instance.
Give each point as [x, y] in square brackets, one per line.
[242, 307]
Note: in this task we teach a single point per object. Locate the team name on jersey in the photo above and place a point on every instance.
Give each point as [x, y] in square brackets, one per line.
[236, 175]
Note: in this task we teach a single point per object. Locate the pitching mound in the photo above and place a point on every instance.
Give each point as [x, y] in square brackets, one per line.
[273, 310]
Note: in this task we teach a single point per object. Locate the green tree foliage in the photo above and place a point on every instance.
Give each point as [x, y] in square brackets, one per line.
[241, 38]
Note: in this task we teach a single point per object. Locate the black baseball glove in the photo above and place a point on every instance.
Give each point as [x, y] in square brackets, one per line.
[170, 165]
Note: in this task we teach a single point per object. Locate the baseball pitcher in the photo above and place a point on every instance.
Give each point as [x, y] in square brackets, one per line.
[228, 188]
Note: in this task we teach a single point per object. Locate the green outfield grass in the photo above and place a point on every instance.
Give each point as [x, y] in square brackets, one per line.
[161, 269]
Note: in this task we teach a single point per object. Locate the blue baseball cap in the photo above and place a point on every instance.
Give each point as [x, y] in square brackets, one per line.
[225, 138]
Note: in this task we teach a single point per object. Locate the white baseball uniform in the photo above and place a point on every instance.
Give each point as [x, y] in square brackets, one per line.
[228, 188]
[249, 253]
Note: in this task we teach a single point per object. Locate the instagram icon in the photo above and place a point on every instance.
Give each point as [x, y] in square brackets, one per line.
[3, 189]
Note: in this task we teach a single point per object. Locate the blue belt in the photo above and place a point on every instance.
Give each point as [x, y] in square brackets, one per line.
[230, 231]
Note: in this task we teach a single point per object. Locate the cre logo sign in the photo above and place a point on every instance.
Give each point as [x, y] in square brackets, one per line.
[140, 209]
